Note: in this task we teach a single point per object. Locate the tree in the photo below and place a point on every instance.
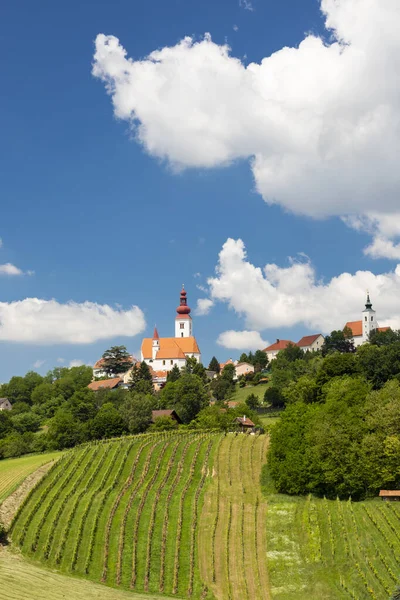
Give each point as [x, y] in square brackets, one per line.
[107, 423]
[221, 388]
[274, 397]
[244, 358]
[174, 374]
[136, 412]
[252, 401]
[336, 365]
[64, 431]
[27, 421]
[189, 397]
[164, 424]
[305, 389]
[5, 423]
[260, 360]
[190, 365]
[141, 380]
[116, 360]
[228, 372]
[338, 341]
[214, 365]
[43, 393]
[15, 444]
[82, 405]
[384, 338]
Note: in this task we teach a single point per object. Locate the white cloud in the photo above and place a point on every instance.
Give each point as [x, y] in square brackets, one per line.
[246, 4]
[274, 296]
[49, 322]
[9, 269]
[242, 340]
[38, 363]
[204, 305]
[76, 363]
[61, 360]
[320, 122]
[1, 242]
[235, 28]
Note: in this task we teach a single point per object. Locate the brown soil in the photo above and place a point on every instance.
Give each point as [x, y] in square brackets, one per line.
[11, 504]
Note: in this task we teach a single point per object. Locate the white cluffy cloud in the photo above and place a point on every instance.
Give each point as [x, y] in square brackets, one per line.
[49, 322]
[274, 296]
[10, 269]
[319, 122]
[242, 340]
[76, 362]
[38, 363]
[204, 305]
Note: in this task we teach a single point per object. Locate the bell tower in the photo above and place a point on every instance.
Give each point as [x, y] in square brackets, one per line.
[368, 319]
[183, 320]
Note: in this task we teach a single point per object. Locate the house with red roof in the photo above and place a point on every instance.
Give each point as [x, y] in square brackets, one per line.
[311, 343]
[272, 350]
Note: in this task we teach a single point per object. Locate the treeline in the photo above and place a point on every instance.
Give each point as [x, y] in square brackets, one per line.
[340, 431]
[59, 410]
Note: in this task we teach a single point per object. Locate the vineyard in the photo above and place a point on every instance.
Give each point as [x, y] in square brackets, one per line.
[123, 512]
[321, 548]
[14, 470]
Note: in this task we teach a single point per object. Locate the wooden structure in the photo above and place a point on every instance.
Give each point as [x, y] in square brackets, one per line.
[5, 404]
[245, 424]
[390, 495]
[107, 384]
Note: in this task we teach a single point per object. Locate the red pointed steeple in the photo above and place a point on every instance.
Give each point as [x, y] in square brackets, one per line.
[183, 308]
[155, 334]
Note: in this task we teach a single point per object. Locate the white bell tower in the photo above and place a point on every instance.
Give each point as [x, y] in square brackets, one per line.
[183, 320]
[156, 344]
[368, 319]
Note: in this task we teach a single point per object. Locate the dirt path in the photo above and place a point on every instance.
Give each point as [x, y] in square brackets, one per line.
[10, 505]
[233, 561]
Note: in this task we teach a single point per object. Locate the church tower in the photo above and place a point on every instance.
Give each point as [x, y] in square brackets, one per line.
[156, 343]
[183, 320]
[368, 319]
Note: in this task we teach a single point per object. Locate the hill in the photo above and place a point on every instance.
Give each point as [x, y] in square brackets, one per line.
[14, 470]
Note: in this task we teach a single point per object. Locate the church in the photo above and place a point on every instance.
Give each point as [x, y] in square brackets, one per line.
[362, 329]
[163, 353]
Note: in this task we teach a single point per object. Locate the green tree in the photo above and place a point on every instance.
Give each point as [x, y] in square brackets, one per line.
[190, 365]
[221, 388]
[5, 423]
[338, 341]
[384, 338]
[244, 358]
[15, 444]
[305, 389]
[228, 372]
[273, 397]
[174, 374]
[64, 431]
[136, 412]
[213, 417]
[190, 397]
[141, 380]
[214, 365]
[260, 360]
[27, 421]
[82, 404]
[252, 401]
[164, 424]
[107, 423]
[43, 393]
[116, 360]
[336, 365]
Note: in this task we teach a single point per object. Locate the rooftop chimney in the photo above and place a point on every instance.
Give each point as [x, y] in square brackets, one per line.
[277, 340]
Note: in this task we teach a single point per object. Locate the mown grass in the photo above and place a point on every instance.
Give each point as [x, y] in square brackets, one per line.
[240, 394]
[105, 512]
[14, 470]
[318, 548]
[20, 579]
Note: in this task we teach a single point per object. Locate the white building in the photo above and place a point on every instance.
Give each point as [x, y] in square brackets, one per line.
[311, 343]
[272, 350]
[162, 354]
[362, 329]
[243, 368]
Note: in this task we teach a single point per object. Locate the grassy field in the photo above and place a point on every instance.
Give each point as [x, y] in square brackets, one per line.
[14, 470]
[123, 512]
[232, 537]
[240, 394]
[20, 579]
[332, 549]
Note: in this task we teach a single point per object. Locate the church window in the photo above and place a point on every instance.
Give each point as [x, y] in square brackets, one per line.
[365, 317]
[182, 325]
[163, 362]
[172, 362]
[372, 318]
[182, 334]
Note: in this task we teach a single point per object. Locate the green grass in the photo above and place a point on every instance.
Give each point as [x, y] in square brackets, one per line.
[20, 579]
[268, 422]
[14, 470]
[123, 512]
[330, 549]
[240, 394]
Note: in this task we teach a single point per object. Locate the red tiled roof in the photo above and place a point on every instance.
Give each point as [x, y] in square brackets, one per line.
[245, 421]
[105, 384]
[159, 374]
[307, 340]
[155, 414]
[356, 327]
[228, 362]
[383, 328]
[171, 347]
[279, 345]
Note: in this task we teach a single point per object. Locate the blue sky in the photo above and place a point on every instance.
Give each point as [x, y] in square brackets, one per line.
[101, 216]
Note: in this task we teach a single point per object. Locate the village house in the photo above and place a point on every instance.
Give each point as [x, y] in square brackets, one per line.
[98, 368]
[245, 424]
[5, 404]
[311, 343]
[243, 368]
[156, 414]
[106, 384]
[272, 350]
